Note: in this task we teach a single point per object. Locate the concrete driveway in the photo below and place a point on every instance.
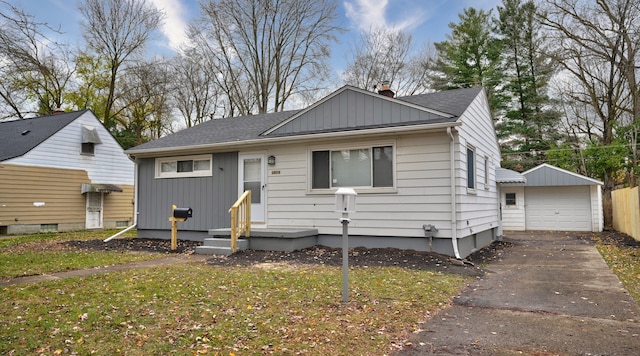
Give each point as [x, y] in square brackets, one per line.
[550, 294]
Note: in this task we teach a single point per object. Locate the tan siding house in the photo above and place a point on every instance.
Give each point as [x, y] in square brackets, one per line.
[63, 172]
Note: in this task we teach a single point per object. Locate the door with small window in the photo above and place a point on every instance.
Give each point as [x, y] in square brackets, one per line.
[94, 210]
[252, 177]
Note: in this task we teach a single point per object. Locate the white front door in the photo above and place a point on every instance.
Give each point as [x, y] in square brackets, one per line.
[252, 177]
[94, 210]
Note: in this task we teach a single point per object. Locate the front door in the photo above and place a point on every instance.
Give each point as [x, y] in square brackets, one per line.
[252, 178]
[94, 210]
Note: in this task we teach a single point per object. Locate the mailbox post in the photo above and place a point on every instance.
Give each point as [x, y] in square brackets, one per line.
[345, 204]
[178, 214]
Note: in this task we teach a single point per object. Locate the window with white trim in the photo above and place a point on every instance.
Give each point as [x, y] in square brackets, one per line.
[185, 166]
[471, 167]
[486, 172]
[369, 167]
[510, 199]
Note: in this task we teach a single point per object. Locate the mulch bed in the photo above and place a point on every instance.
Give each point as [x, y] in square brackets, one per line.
[322, 255]
[317, 255]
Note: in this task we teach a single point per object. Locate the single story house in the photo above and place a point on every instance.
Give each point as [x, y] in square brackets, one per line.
[58, 173]
[552, 198]
[423, 167]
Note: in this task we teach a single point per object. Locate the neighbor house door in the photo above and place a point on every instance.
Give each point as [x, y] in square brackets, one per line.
[94, 210]
[252, 177]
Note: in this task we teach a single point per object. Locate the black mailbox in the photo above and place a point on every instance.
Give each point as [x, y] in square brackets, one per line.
[182, 213]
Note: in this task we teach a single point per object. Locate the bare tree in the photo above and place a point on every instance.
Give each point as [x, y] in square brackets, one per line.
[195, 94]
[266, 51]
[117, 30]
[383, 54]
[33, 69]
[143, 109]
[593, 47]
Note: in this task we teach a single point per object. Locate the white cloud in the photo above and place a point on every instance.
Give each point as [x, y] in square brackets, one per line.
[368, 14]
[174, 25]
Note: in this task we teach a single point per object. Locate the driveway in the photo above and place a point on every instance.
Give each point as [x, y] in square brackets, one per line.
[550, 294]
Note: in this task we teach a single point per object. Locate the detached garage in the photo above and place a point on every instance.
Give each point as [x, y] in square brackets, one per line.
[552, 199]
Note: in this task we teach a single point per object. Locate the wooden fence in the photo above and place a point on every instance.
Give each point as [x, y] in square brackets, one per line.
[626, 211]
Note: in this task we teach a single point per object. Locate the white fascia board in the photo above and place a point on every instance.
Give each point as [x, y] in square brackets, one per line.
[270, 141]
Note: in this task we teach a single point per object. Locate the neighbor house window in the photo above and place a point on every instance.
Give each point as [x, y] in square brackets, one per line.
[187, 166]
[471, 167]
[90, 139]
[360, 167]
[510, 199]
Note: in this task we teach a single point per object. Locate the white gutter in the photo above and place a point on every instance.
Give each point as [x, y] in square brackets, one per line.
[454, 222]
[135, 205]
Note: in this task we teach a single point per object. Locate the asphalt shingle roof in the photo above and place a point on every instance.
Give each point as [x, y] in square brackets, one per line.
[453, 102]
[243, 128]
[231, 129]
[18, 137]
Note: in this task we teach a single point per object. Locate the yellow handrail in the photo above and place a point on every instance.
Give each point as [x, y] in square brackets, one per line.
[240, 218]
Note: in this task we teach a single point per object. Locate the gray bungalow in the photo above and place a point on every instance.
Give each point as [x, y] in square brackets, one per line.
[423, 167]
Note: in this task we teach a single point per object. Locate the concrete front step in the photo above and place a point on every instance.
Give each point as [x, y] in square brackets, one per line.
[220, 246]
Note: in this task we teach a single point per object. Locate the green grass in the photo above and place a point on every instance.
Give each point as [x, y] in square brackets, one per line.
[625, 263]
[42, 253]
[198, 308]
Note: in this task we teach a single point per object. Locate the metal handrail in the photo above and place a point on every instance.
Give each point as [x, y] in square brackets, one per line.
[240, 218]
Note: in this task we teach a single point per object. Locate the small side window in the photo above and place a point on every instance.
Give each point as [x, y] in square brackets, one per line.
[471, 168]
[510, 199]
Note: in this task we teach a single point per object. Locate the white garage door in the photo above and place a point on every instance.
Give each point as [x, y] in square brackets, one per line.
[566, 208]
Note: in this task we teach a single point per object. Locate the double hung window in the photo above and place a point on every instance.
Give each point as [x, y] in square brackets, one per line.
[355, 167]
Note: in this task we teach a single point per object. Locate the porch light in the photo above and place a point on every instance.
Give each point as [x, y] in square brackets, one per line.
[271, 160]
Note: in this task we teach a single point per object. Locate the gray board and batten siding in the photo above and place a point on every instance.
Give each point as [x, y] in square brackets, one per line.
[549, 176]
[209, 197]
[351, 110]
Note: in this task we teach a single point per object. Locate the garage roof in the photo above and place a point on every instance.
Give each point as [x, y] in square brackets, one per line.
[507, 176]
[548, 175]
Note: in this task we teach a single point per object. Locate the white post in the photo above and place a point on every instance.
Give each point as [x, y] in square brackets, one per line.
[345, 204]
[345, 257]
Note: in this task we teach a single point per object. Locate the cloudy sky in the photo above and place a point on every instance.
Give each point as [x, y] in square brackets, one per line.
[426, 20]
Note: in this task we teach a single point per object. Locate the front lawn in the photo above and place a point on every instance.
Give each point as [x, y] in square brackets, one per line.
[198, 308]
[46, 253]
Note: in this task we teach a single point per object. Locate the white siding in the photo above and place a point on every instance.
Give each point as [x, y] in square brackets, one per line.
[421, 195]
[109, 164]
[513, 216]
[597, 215]
[477, 210]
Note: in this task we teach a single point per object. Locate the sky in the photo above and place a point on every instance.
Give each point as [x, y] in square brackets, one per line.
[426, 20]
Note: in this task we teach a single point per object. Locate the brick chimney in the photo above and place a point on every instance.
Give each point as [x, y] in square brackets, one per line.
[385, 89]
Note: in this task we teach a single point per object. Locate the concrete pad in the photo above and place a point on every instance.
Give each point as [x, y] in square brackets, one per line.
[550, 294]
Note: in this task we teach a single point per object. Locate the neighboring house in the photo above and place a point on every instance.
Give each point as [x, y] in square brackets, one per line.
[552, 198]
[63, 172]
[414, 161]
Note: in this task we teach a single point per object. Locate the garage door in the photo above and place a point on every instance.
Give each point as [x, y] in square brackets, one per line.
[566, 208]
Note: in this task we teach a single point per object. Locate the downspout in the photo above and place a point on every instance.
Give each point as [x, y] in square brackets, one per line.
[454, 213]
[135, 205]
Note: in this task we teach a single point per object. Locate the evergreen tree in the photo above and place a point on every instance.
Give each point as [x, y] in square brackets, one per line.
[529, 126]
[469, 57]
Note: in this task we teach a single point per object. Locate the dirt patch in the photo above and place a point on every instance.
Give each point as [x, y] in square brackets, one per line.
[317, 255]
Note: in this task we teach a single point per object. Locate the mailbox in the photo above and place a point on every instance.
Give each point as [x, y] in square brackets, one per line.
[182, 213]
